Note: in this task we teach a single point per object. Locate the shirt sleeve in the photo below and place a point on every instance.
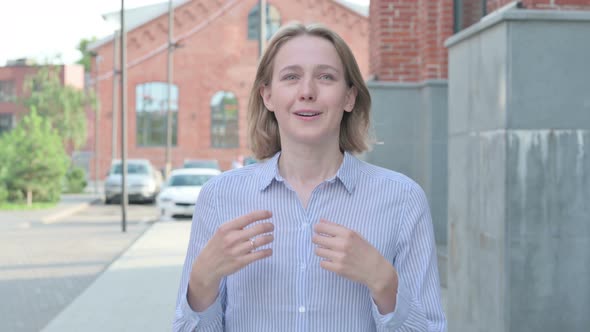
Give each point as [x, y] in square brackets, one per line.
[418, 304]
[204, 224]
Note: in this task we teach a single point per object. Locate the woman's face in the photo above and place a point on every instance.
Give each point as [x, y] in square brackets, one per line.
[308, 92]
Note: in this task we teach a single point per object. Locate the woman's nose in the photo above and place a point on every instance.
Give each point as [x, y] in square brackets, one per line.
[308, 91]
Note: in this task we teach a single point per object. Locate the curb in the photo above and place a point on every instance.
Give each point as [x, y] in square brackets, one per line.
[56, 217]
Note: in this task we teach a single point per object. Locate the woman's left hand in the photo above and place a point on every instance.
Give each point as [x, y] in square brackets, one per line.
[349, 255]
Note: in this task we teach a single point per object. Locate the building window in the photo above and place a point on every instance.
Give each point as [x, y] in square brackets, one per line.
[6, 123]
[7, 92]
[468, 12]
[273, 21]
[224, 120]
[151, 107]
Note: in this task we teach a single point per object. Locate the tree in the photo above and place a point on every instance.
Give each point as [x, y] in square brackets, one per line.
[64, 106]
[86, 59]
[34, 159]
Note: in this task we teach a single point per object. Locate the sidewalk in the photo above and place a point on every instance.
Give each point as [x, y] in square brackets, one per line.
[68, 205]
[137, 292]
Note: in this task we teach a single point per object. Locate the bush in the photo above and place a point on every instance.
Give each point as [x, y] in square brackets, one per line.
[3, 193]
[75, 180]
[16, 196]
[35, 160]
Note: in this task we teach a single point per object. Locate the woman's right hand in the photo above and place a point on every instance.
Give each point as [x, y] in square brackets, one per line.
[232, 247]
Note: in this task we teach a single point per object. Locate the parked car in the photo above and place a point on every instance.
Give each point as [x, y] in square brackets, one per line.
[202, 163]
[180, 192]
[143, 181]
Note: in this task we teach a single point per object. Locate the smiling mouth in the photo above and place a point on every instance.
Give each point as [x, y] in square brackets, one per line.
[308, 114]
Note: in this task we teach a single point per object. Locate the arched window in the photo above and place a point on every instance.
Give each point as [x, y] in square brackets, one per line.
[224, 120]
[273, 21]
[151, 105]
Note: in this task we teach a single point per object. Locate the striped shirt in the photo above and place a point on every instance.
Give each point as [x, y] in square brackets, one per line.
[289, 291]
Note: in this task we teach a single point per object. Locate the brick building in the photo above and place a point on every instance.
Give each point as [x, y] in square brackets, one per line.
[12, 79]
[213, 71]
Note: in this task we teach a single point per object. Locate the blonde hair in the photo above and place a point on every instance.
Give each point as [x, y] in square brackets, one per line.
[263, 128]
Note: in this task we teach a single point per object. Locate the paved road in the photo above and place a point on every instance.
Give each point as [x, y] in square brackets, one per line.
[43, 267]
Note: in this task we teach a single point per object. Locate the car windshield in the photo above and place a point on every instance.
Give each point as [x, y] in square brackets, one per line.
[131, 169]
[202, 164]
[189, 180]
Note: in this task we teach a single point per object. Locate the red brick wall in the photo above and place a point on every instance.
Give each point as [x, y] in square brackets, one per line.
[69, 74]
[217, 57]
[406, 39]
[543, 4]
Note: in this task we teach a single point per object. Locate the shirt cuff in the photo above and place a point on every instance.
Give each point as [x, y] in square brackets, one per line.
[395, 319]
[203, 318]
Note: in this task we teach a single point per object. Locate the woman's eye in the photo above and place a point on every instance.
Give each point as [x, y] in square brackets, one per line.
[327, 77]
[289, 77]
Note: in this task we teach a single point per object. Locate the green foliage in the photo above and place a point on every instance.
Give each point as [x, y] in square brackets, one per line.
[75, 180]
[23, 206]
[3, 193]
[33, 160]
[86, 59]
[63, 106]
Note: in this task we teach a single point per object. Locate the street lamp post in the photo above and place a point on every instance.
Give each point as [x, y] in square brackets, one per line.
[171, 47]
[98, 60]
[115, 92]
[123, 120]
[262, 40]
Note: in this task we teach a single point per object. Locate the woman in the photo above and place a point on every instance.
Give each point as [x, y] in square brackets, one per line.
[312, 239]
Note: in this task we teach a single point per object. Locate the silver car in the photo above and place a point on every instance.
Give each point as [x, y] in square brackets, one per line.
[143, 181]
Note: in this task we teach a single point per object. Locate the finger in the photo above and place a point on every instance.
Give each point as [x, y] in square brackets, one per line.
[247, 219]
[328, 254]
[330, 228]
[327, 242]
[246, 246]
[256, 230]
[255, 256]
[330, 266]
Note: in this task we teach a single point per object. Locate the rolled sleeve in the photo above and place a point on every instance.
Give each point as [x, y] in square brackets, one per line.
[209, 317]
[395, 319]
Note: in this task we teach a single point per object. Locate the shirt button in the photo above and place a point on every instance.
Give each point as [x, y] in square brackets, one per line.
[303, 266]
[305, 225]
[301, 309]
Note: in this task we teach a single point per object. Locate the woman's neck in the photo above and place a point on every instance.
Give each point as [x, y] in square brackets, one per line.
[309, 166]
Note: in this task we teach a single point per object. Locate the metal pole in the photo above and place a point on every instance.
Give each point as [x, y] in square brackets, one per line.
[169, 71]
[262, 41]
[98, 59]
[115, 92]
[123, 119]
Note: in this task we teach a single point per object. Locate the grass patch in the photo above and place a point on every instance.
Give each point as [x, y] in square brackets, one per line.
[23, 206]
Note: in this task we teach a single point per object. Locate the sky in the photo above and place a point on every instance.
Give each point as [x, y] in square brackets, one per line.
[41, 29]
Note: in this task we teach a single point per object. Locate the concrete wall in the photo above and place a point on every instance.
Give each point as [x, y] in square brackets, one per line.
[519, 173]
[410, 125]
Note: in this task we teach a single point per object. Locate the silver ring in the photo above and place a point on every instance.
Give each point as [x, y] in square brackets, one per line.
[253, 243]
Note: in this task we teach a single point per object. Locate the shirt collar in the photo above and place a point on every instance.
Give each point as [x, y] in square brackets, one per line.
[347, 173]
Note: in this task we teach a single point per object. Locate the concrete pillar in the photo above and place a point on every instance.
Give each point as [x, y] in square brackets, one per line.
[409, 89]
[519, 173]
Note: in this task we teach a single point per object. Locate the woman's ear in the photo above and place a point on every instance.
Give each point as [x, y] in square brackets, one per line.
[350, 99]
[265, 94]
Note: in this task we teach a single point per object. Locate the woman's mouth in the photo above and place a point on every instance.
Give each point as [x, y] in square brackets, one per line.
[308, 115]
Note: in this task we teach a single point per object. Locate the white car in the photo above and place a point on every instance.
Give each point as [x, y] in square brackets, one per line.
[143, 181]
[180, 193]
